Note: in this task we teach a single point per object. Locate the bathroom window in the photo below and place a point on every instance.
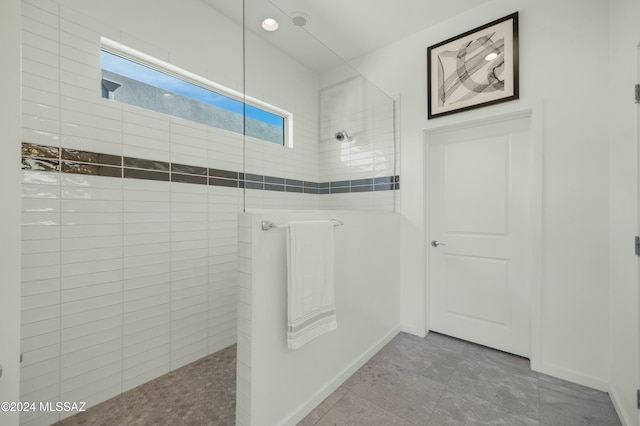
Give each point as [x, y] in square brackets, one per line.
[137, 79]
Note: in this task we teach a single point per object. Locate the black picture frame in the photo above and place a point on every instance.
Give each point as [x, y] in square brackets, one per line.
[475, 69]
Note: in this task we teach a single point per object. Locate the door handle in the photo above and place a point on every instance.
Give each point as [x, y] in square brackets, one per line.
[436, 243]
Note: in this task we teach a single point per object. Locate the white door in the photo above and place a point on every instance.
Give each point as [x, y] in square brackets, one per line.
[479, 246]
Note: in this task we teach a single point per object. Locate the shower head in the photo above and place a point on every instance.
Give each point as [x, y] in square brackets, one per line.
[343, 135]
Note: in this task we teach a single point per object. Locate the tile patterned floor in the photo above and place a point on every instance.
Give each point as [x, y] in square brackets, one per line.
[435, 381]
[441, 381]
[202, 393]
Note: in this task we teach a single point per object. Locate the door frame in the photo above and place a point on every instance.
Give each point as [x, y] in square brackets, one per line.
[533, 111]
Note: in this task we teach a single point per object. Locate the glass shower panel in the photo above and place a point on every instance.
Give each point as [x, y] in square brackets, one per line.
[339, 129]
[356, 144]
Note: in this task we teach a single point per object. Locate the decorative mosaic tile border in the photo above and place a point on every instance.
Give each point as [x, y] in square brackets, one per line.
[54, 159]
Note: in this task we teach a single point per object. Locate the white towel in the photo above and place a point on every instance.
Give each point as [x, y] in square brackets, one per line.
[310, 281]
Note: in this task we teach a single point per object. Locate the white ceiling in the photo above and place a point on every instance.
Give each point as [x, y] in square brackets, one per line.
[350, 28]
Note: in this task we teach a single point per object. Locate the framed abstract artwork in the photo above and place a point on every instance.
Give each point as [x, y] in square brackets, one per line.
[474, 69]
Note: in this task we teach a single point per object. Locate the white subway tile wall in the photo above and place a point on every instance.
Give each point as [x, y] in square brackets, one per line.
[189, 142]
[147, 281]
[91, 318]
[40, 74]
[127, 279]
[123, 279]
[223, 266]
[41, 291]
[145, 133]
[224, 149]
[189, 273]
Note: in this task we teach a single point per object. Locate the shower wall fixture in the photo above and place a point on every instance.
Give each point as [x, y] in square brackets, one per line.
[342, 135]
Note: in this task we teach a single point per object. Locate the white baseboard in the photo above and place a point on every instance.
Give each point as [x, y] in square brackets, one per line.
[575, 377]
[333, 384]
[591, 382]
[420, 332]
[626, 421]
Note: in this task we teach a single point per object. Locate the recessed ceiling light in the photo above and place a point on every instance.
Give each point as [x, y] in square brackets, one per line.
[491, 56]
[270, 24]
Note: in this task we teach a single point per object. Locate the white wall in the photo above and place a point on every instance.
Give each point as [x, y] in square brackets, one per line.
[367, 310]
[10, 193]
[624, 117]
[559, 47]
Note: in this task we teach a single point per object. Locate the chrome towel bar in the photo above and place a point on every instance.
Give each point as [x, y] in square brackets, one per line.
[267, 224]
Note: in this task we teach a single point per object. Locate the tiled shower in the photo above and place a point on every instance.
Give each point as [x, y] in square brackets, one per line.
[130, 217]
